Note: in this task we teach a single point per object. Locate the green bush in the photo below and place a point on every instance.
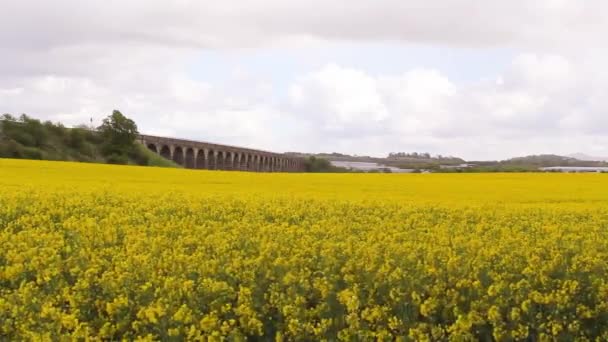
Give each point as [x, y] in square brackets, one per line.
[154, 159]
[22, 137]
[76, 138]
[87, 149]
[138, 158]
[57, 130]
[32, 153]
[315, 164]
[35, 129]
[116, 158]
[10, 149]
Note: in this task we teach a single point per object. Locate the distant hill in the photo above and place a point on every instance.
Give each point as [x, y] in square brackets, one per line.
[402, 160]
[586, 157]
[546, 160]
[531, 163]
[542, 160]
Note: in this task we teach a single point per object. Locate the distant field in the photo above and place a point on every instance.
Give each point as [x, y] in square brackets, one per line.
[111, 252]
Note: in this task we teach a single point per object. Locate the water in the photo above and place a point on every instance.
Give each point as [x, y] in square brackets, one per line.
[367, 166]
[575, 169]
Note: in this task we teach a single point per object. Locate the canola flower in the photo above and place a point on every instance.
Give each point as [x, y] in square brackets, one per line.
[105, 252]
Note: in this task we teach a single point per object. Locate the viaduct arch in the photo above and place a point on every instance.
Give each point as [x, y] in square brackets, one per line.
[202, 155]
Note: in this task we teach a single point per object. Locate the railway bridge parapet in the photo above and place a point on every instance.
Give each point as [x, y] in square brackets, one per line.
[203, 155]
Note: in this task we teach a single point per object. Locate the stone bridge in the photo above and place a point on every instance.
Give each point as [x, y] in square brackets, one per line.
[202, 155]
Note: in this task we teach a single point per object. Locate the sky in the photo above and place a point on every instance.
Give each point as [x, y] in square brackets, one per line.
[475, 79]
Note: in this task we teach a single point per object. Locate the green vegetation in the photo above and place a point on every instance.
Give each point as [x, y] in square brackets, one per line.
[154, 159]
[415, 160]
[29, 138]
[420, 161]
[425, 162]
[528, 164]
[547, 160]
[316, 164]
[113, 142]
[118, 139]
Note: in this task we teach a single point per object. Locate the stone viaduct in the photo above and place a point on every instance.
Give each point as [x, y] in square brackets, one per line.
[202, 155]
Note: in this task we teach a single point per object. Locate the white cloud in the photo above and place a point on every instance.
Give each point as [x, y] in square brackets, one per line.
[71, 60]
[237, 23]
[340, 98]
[539, 106]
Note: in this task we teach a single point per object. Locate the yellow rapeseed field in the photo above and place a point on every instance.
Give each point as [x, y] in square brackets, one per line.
[104, 252]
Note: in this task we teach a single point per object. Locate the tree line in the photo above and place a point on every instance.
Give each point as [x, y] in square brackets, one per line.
[114, 141]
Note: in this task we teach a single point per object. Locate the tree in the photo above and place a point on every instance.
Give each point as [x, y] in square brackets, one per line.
[314, 164]
[7, 117]
[119, 134]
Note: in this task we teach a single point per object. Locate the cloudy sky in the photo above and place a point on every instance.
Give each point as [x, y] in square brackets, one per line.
[477, 79]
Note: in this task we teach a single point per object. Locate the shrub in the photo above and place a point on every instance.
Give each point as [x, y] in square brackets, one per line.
[32, 153]
[116, 158]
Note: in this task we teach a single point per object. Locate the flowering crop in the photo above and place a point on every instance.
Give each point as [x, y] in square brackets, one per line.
[113, 252]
